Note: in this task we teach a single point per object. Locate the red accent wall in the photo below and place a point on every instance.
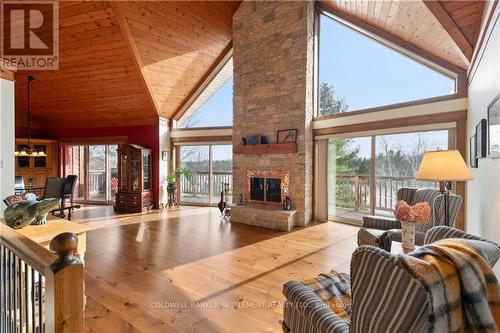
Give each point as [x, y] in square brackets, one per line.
[144, 135]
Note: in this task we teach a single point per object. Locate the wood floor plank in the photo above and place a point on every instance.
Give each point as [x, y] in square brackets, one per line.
[186, 271]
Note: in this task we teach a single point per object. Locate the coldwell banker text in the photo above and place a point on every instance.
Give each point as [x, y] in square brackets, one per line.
[30, 35]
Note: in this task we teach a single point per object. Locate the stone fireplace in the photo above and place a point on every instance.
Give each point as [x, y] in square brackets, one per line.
[273, 57]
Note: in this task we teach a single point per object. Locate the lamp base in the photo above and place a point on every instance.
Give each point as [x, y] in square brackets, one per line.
[446, 194]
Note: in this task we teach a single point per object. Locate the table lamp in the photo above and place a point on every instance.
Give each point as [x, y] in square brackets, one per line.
[444, 166]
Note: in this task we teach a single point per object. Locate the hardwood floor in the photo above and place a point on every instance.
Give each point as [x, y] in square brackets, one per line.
[186, 271]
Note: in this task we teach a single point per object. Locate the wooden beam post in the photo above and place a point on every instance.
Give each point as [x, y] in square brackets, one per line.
[134, 52]
[461, 43]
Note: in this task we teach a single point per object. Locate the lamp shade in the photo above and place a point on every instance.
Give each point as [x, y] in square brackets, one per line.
[443, 165]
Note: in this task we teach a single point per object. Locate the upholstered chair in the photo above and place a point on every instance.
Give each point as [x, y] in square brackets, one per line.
[385, 296]
[379, 231]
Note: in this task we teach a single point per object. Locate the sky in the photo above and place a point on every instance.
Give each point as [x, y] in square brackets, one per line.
[368, 74]
[218, 109]
[362, 71]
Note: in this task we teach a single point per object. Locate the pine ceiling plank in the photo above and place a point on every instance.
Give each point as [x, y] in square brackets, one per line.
[409, 21]
[461, 42]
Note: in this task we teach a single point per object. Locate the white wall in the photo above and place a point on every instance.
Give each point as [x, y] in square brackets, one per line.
[164, 165]
[483, 193]
[7, 140]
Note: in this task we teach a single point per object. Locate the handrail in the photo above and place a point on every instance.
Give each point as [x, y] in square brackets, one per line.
[32, 253]
[40, 288]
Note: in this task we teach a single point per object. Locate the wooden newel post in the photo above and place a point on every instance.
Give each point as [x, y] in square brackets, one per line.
[68, 284]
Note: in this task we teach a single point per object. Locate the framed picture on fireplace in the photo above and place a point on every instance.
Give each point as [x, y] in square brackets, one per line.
[287, 136]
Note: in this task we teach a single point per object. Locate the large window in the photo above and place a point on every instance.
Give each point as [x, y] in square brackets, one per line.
[212, 166]
[357, 72]
[214, 106]
[365, 173]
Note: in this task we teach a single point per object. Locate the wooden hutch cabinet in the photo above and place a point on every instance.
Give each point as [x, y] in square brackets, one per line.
[36, 169]
[135, 188]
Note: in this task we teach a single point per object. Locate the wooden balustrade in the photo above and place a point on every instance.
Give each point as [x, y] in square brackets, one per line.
[40, 290]
[202, 180]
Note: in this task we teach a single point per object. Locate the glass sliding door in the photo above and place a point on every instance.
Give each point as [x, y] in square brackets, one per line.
[222, 170]
[365, 173]
[398, 157]
[349, 169]
[75, 165]
[212, 166]
[96, 168]
[112, 172]
[97, 173]
[197, 159]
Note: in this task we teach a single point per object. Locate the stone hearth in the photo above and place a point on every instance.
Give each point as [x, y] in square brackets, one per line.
[262, 215]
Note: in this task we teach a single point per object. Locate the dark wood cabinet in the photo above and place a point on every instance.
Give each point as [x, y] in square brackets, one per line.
[135, 192]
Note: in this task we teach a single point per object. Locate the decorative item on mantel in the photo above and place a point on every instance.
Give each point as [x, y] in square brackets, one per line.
[254, 140]
[408, 216]
[287, 136]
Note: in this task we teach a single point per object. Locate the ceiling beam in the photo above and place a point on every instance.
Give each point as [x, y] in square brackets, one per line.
[460, 41]
[134, 52]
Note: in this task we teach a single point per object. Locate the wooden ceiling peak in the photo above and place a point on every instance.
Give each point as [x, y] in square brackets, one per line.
[126, 63]
[174, 44]
[462, 45]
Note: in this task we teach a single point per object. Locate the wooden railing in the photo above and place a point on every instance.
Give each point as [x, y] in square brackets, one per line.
[353, 191]
[201, 183]
[40, 290]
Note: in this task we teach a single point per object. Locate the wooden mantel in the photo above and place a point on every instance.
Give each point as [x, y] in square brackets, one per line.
[276, 148]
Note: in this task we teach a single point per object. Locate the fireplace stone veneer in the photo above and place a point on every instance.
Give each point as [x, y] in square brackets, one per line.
[273, 76]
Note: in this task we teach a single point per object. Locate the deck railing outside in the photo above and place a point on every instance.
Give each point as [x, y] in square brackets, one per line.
[352, 191]
[40, 291]
[201, 183]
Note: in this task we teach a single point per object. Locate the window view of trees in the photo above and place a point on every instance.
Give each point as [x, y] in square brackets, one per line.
[397, 158]
[212, 166]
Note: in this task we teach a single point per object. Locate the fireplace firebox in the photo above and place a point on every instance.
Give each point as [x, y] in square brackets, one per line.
[265, 189]
[266, 186]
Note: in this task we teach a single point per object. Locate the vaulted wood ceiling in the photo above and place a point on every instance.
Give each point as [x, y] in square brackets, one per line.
[447, 30]
[126, 63]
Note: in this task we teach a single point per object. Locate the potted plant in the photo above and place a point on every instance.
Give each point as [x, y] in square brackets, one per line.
[173, 176]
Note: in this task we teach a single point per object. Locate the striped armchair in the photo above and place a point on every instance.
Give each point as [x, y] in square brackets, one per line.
[379, 231]
[384, 296]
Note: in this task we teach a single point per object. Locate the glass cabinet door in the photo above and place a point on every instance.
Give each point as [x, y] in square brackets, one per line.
[135, 170]
[145, 171]
[124, 171]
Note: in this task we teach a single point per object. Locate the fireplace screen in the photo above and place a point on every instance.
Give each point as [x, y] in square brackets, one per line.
[265, 189]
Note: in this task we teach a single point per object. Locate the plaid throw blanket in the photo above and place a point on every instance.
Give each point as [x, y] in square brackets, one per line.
[334, 289]
[464, 292]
